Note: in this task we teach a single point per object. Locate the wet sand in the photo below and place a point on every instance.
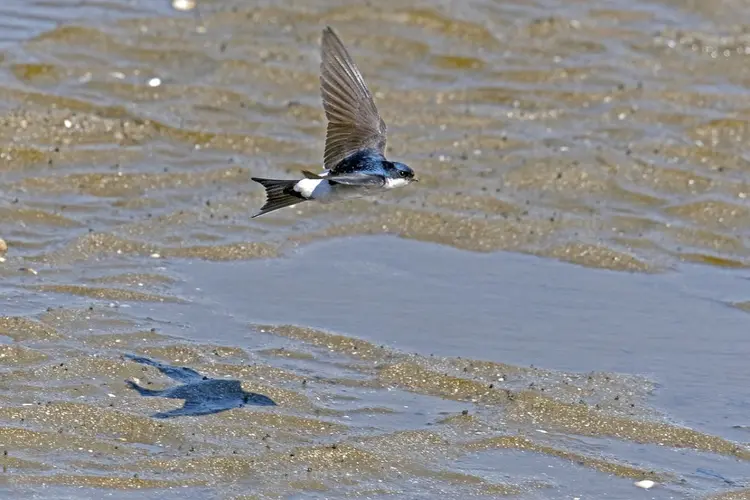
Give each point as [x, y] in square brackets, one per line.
[468, 374]
[557, 310]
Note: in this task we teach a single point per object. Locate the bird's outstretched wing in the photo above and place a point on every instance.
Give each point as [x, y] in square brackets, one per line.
[353, 119]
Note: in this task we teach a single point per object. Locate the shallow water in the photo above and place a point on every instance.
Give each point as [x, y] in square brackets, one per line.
[676, 328]
[602, 145]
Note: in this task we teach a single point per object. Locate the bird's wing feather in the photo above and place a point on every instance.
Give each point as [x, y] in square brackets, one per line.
[311, 175]
[353, 119]
[357, 179]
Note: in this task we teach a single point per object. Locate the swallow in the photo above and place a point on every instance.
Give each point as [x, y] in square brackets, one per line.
[354, 159]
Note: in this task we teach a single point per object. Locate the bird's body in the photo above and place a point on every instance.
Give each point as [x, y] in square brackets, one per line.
[355, 162]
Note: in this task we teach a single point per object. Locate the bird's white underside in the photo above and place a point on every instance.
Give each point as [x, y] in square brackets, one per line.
[395, 183]
[321, 189]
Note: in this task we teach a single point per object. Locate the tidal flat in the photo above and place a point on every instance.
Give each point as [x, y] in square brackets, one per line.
[558, 309]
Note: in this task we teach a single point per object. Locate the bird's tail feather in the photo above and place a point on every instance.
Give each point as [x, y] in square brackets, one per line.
[279, 194]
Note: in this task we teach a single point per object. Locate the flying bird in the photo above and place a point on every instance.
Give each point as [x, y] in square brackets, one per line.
[354, 158]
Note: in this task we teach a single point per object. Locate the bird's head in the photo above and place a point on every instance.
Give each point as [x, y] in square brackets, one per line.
[399, 175]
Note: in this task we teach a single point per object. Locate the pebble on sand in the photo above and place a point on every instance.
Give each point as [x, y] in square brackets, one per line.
[183, 5]
[3, 247]
[645, 484]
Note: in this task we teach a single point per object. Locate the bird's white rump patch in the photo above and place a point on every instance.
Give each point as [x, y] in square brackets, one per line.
[313, 189]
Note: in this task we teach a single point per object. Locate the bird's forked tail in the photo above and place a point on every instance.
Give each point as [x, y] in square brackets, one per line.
[279, 194]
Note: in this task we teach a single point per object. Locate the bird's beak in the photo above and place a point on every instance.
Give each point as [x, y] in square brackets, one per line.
[415, 180]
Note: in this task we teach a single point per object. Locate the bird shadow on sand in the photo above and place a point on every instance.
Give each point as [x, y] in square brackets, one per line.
[202, 395]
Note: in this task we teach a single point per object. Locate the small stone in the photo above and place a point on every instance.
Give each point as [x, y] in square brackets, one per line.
[3, 247]
[645, 484]
[154, 82]
[183, 5]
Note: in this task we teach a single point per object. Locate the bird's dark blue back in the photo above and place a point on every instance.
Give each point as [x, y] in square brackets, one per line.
[366, 161]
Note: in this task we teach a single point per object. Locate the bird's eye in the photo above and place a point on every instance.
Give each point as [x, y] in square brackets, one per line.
[404, 173]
